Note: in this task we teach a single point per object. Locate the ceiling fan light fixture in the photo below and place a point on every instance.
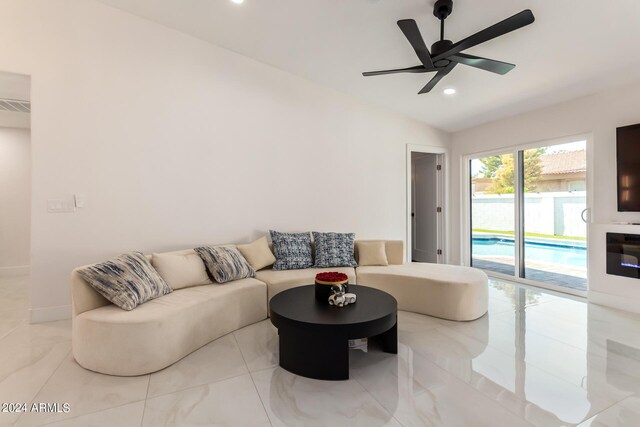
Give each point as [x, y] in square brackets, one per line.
[449, 91]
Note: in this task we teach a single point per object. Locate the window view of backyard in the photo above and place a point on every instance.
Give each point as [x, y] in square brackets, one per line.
[554, 201]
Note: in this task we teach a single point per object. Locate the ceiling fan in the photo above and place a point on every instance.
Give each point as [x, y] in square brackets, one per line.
[445, 54]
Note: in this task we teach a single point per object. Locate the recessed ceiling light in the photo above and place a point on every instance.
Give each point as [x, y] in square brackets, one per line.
[237, 1]
[449, 91]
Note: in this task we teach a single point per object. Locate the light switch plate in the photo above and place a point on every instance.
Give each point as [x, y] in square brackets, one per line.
[80, 201]
[61, 205]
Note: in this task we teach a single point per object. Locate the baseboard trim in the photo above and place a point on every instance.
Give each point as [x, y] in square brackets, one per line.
[50, 314]
[18, 270]
[615, 301]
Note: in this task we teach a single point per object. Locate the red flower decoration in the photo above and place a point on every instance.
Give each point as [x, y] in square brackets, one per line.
[332, 276]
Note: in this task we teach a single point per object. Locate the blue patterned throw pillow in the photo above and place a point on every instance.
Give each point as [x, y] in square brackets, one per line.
[334, 249]
[292, 250]
[225, 263]
[127, 281]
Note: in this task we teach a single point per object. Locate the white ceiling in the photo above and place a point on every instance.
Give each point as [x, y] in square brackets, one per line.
[574, 48]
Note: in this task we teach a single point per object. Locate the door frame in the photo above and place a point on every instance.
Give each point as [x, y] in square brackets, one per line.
[465, 226]
[442, 199]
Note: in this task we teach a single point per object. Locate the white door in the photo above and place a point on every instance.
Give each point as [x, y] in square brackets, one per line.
[425, 221]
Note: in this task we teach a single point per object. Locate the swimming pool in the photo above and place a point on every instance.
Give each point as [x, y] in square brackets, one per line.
[543, 251]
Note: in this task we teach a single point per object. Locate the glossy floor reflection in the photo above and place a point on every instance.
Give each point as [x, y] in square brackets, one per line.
[536, 358]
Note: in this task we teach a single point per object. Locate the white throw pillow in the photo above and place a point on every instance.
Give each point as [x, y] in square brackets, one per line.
[372, 253]
[181, 269]
[257, 253]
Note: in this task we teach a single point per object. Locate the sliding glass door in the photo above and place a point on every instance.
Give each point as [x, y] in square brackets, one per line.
[528, 214]
[493, 214]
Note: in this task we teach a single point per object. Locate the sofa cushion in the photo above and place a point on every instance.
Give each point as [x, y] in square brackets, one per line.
[225, 263]
[257, 253]
[334, 249]
[181, 269]
[394, 250]
[278, 281]
[162, 331]
[450, 292]
[292, 250]
[127, 280]
[372, 253]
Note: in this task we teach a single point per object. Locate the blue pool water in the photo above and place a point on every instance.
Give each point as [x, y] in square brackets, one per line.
[545, 252]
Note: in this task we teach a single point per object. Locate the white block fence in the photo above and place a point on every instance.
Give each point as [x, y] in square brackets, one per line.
[546, 213]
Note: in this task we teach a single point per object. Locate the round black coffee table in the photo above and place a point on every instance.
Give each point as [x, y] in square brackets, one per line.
[314, 336]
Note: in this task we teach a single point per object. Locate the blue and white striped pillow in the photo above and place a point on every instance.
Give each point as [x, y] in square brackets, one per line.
[225, 263]
[127, 280]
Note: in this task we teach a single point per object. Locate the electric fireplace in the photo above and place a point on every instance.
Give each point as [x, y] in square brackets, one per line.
[623, 255]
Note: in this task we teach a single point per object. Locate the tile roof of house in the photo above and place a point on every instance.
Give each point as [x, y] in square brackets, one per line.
[564, 162]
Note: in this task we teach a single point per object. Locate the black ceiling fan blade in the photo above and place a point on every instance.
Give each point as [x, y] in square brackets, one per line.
[434, 81]
[512, 23]
[416, 69]
[412, 33]
[486, 64]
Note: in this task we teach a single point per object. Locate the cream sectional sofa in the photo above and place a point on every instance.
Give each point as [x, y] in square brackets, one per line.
[447, 291]
[158, 333]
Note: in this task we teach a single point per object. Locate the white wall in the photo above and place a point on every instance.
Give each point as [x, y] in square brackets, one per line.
[597, 114]
[15, 200]
[10, 119]
[177, 143]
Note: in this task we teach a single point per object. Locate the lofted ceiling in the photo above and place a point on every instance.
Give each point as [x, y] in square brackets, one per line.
[575, 47]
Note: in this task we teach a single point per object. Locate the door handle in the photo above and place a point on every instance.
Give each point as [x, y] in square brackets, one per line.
[586, 210]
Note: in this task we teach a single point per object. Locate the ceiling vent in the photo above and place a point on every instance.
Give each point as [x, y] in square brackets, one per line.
[15, 105]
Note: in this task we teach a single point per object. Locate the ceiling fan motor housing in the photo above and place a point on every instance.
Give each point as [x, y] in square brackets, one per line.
[437, 48]
[442, 9]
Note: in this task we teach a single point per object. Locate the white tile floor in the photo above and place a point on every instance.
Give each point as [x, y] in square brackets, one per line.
[535, 359]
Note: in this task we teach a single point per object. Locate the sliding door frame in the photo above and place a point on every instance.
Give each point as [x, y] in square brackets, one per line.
[518, 151]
